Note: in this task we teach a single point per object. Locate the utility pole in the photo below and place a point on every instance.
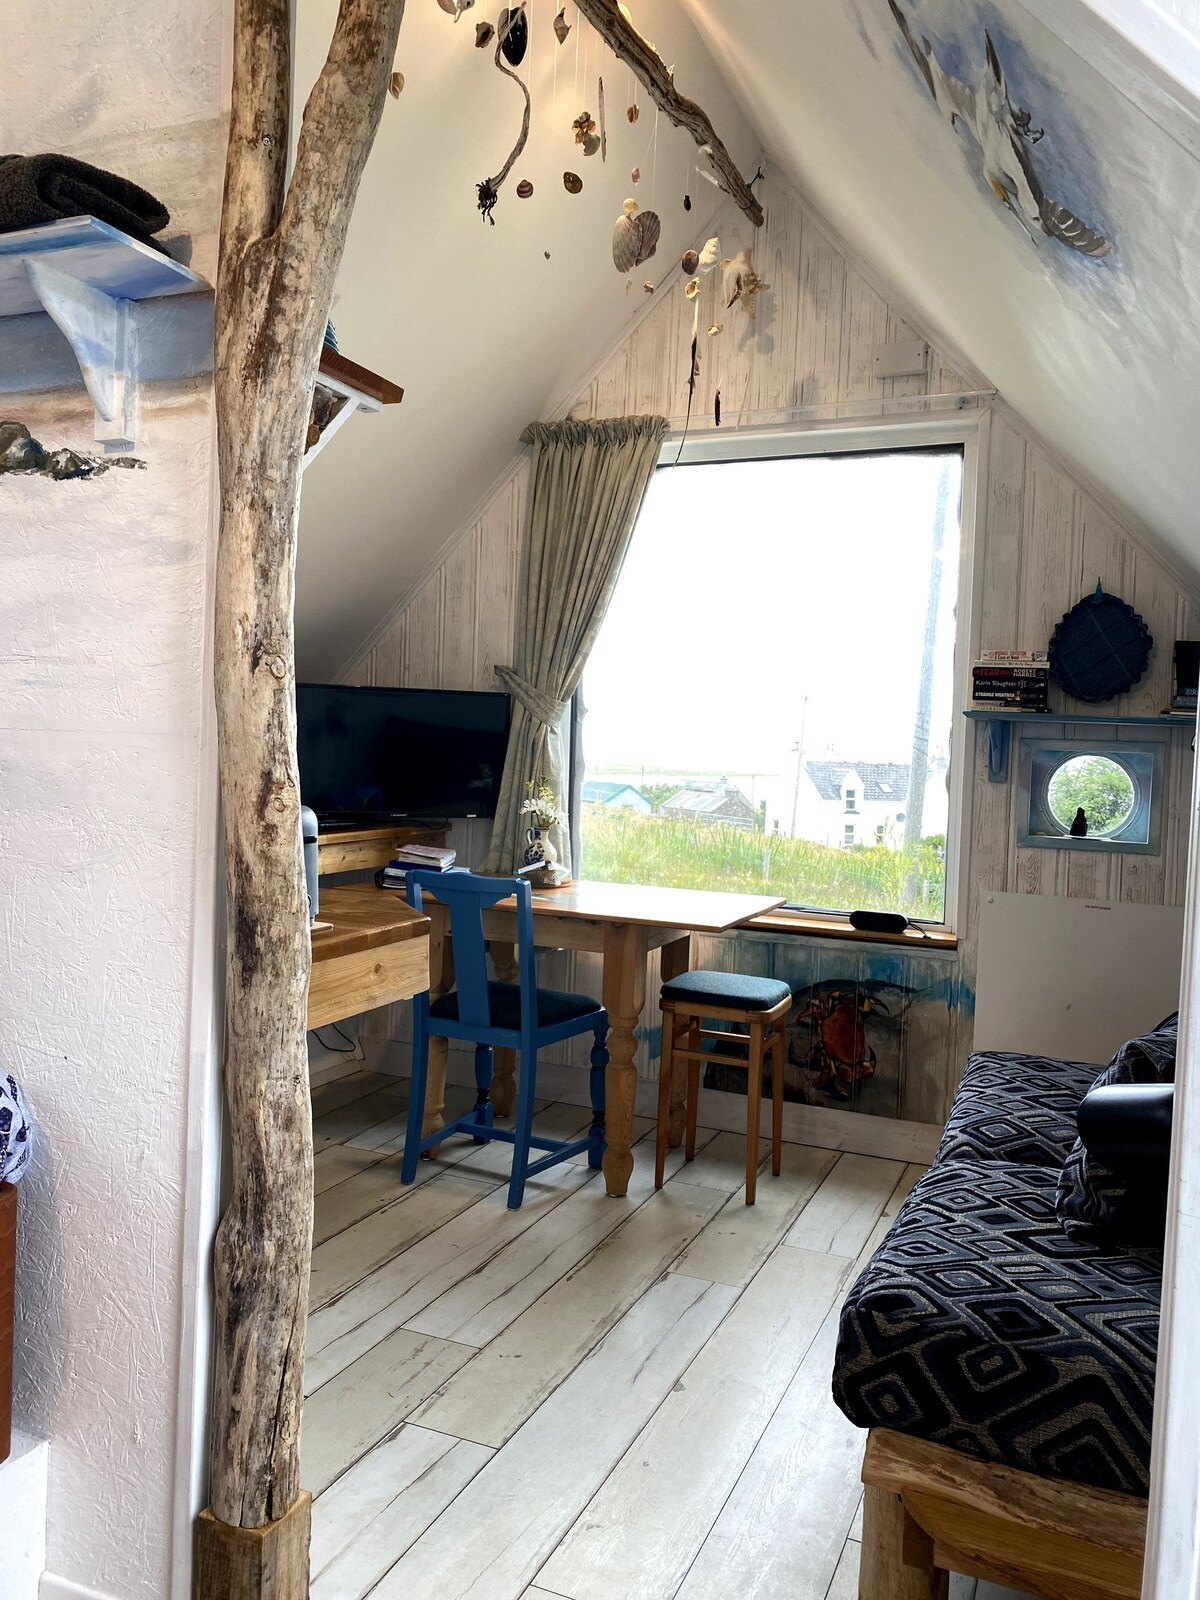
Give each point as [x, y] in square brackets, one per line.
[919, 768]
[798, 747]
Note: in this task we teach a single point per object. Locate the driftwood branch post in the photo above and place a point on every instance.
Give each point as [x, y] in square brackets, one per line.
[652, 72]
[281, 243]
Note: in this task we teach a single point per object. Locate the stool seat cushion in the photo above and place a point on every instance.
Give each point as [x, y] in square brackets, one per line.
[504, 999]
[728, 991]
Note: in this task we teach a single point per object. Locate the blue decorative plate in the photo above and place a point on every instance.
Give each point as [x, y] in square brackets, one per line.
[1100, 648]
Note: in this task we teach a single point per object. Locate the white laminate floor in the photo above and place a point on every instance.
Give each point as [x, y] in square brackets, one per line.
[586, 1399]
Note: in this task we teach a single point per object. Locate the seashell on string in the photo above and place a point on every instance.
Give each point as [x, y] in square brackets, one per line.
[484, 34]
[396, 85]
[561, 26]
[691, 260]
[628, 285]
[524, 189]
[717, 327]
[692, 288]
[572, 182]
[710, 253]
[648, 286]
[687, 202]
[513, 29]
[739, 281]
[635, 237]
[455, 8]
[590, 143]
[636, 175]
[633, 112]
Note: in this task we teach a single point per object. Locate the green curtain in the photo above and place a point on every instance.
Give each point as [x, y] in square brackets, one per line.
[587, 483]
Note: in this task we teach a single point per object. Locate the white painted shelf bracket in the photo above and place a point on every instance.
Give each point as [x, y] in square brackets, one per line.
[99, 329]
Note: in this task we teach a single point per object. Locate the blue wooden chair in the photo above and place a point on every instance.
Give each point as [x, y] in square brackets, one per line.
[517, 1016]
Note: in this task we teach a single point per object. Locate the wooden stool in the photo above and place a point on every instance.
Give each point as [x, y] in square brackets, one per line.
[761, 1005]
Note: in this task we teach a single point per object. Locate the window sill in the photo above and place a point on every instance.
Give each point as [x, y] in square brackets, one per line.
[827, 925]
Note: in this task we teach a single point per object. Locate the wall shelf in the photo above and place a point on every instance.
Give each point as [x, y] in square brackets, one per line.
[351, 388]
[86, 276]
[999, 723]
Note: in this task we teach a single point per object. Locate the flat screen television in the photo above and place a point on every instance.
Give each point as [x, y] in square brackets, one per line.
[375, 755]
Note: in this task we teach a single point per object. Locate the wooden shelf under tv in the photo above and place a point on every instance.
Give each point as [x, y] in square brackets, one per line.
[367, 849]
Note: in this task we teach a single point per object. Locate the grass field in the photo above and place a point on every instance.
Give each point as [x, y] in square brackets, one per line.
[623, 847]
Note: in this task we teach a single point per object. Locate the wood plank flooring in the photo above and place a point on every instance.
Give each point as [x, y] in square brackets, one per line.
[586, 1399]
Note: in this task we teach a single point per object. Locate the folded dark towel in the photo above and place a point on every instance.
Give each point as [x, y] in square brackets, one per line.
[36, 189]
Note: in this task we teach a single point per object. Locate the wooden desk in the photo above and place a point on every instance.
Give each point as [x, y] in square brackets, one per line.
[622, 923]
[375, 951]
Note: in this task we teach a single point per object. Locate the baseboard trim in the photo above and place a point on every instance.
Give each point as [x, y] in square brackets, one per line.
[852, 1132]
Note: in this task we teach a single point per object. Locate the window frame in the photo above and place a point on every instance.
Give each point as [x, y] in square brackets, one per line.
[967, 431]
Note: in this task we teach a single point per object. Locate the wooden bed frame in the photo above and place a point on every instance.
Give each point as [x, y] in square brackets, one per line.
[8, 1294]
[929, 1511]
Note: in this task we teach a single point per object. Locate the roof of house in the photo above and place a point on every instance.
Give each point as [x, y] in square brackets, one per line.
[603, 790]
[882, 781]
[708, 796]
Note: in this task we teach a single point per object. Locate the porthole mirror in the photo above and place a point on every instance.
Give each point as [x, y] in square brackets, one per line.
[1094, 796]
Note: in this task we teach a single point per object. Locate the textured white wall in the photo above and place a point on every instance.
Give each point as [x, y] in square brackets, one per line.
[107, 825]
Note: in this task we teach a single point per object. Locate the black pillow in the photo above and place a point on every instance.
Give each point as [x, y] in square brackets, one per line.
[1089, 1195]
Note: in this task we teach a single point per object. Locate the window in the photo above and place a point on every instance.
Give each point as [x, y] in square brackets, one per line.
[782, 625]
[1079, 796]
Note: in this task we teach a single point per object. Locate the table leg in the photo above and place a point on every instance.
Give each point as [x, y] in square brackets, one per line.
[676, 958]
[504, 1082]
[624, 988]
[441, 981]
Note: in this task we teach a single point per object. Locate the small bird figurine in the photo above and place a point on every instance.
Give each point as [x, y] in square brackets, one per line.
[1079, 827]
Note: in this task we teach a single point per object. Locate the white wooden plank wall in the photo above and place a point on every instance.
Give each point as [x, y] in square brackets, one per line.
[1043, 543]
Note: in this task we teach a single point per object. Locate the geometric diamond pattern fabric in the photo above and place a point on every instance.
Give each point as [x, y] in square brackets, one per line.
[982, 1325]
[1020, 1108]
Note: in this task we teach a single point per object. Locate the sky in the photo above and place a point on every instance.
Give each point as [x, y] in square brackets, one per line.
[767, 602]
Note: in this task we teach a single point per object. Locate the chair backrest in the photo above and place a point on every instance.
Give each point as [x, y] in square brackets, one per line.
[466, 896]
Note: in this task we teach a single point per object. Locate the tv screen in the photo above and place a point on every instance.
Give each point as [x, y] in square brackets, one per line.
[376, 754]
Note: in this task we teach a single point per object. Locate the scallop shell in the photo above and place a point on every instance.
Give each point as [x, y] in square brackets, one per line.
[691, 262]
[572, 182]
[635, 238]
[524, 189]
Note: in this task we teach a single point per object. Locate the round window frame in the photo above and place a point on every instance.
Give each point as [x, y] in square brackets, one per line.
[1136, 783]
[1037, 827]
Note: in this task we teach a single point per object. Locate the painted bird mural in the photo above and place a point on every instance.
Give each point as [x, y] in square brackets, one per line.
[1005, 135]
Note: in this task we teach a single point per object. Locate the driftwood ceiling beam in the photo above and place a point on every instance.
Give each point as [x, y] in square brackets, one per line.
[652, 73]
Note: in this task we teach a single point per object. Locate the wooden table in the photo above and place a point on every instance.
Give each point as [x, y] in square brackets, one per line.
[622, 923]
[375, 950]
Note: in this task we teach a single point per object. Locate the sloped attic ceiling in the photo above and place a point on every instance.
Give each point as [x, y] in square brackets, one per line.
[484, 333]
[1100, 353]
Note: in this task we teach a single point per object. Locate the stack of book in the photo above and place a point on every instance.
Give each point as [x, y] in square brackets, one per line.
[1015, 680]
[429, 857]
[1183, 703]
